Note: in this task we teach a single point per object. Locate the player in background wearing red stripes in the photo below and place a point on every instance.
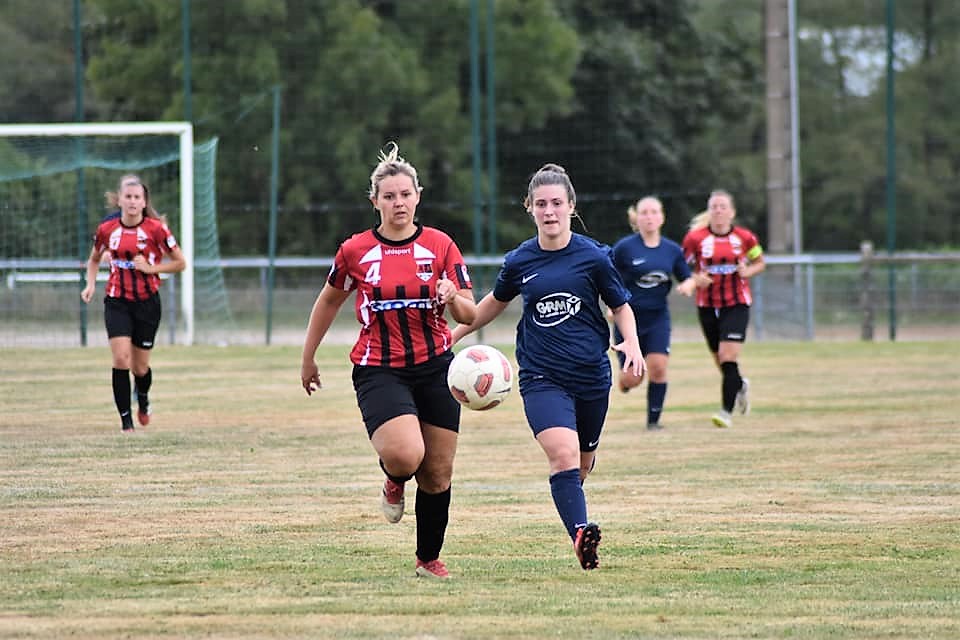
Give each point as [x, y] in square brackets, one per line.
[135, 239]
[729, 255]
[405, 276]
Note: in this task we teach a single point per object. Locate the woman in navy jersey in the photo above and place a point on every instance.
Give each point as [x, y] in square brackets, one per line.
[136, 240]
[648, 263]
[729, 254]
[562, 343]
[405, 276]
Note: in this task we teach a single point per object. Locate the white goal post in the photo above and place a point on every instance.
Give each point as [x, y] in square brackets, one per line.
[184, 131]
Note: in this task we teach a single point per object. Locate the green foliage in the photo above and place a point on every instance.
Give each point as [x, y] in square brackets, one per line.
[38, 63]
[631, 96]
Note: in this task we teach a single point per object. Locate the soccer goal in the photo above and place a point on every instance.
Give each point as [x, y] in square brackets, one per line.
[52, 183]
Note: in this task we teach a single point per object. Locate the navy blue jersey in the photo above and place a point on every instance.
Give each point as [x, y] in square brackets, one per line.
[646, 270]
[563, 335]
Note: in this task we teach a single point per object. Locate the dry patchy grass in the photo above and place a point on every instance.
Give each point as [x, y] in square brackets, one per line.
[250, 510]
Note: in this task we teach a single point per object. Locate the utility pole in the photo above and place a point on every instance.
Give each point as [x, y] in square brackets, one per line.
[780, 160]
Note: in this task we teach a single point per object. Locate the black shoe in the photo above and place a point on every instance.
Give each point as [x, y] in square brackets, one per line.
[654, 426]
[585, 545]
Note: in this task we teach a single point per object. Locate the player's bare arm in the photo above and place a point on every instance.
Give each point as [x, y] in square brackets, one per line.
[487, 309]
[630, 347]
[322, 315]
[93, 266]
[751, 268]
[460, 302]
[174, 263]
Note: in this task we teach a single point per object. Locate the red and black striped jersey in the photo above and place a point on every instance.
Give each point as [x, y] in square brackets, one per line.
[402, 324]
[151, 237]
[719, 256]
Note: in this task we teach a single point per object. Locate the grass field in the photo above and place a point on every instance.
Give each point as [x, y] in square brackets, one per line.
[248, 510]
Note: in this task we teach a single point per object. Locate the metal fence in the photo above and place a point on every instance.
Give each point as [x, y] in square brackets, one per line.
[849, 296]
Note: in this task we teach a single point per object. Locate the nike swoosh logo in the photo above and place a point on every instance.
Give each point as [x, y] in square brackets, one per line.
[526, 279]
[594, 443]
[637, 261]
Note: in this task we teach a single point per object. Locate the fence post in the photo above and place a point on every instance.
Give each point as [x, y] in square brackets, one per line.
[866, 290]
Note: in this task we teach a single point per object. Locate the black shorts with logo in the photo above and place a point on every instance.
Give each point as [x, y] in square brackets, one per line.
[138, 319]
[724, 324]
[383, 393]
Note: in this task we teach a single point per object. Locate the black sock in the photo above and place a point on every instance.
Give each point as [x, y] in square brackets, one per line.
[731, 384]
[142, 385]
[656, 394]
[121, 394]
[433, 512]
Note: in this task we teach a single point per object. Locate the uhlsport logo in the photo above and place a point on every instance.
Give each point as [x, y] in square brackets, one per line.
[555, 308]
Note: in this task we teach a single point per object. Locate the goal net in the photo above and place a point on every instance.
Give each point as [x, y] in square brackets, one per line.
[52, 183]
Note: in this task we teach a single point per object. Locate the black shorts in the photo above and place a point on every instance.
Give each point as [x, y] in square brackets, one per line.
[139, 320]
[384, 393]
[724, 324]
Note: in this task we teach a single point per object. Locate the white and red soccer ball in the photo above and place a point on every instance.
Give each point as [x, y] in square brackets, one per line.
[480, 377]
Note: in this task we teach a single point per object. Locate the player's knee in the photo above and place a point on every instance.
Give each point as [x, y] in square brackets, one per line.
[402, 461]
[434, 480]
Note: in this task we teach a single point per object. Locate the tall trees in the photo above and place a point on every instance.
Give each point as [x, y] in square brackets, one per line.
[632, 96]
[354, 75]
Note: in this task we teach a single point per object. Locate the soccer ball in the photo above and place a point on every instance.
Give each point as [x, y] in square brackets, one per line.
[480, 377]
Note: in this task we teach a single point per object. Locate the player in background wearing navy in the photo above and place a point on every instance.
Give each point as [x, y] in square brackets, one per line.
[405, 276]
[136, 239]
[648, 262]
[730, 255]
[562, 343]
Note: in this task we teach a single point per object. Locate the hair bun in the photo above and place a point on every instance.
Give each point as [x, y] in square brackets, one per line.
[553, 167]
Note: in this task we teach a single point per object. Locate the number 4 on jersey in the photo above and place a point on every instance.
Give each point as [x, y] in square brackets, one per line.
[373, 273]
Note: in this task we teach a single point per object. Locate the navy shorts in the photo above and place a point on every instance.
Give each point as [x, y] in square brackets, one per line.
[724, 324]
[653, 330]
[383, 393]
[138, 320]
[549, 405]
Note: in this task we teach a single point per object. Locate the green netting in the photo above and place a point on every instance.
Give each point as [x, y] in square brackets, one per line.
[213, 321]
[51, 200]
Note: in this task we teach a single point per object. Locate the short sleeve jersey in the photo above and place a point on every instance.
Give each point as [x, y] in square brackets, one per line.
[151, 238]
[719, 256]
[402, 323]
[648, 272]
[563, 335]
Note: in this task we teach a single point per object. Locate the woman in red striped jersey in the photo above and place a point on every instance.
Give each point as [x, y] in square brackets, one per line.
[136, 240]
[724, 256]
[405, 276]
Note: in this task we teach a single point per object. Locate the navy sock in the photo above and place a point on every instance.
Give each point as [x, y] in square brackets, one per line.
[121, 393]
[731, 384]
[656, 394]
[569, 498]
[433, 513]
